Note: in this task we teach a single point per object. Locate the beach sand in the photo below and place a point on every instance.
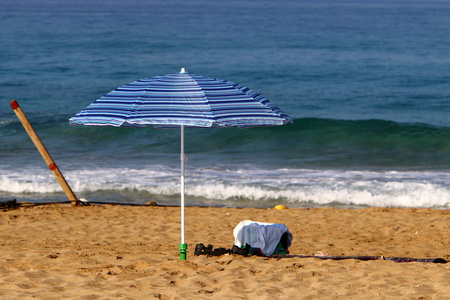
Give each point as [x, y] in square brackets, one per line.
[123, 252]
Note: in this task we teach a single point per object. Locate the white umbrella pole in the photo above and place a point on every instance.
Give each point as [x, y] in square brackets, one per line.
[183, 245]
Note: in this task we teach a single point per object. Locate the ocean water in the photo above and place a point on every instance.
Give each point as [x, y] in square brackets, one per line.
[367, 84]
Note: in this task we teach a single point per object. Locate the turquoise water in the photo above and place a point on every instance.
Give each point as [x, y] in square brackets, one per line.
[368, 86]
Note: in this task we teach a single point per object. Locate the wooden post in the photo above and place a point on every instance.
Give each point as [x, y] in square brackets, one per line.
[44, 153]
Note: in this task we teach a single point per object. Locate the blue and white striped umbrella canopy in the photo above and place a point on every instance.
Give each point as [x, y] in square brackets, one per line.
[181, 99]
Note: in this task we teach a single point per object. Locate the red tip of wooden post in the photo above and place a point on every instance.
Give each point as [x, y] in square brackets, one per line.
[14, 104]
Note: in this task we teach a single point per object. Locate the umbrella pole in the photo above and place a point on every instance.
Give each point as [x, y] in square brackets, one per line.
[183, 245]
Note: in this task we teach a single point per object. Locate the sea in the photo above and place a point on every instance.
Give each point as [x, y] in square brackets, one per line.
[366, 82]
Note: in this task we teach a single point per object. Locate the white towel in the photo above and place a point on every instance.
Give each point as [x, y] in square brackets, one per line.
[265, 236]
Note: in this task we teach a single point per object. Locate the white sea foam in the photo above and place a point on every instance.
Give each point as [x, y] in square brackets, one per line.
[293, 186]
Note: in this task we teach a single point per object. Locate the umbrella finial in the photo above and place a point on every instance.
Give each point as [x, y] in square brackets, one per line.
[183, 70]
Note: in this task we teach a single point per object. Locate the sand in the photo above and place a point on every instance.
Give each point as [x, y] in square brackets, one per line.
[122, 252]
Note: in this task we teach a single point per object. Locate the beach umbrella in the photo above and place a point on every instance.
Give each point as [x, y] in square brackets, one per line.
[181, 100]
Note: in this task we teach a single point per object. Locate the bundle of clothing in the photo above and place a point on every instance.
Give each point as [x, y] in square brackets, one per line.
[254, 238]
